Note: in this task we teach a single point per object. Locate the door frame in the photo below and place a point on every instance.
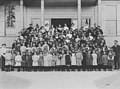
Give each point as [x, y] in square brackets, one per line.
[60, 18]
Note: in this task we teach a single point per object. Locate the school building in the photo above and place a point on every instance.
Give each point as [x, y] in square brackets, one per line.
[18, 14]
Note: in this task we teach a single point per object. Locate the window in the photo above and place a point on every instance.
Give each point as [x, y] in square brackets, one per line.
[86, 21]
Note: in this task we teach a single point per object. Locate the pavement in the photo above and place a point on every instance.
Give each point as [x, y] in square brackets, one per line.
[60, 80]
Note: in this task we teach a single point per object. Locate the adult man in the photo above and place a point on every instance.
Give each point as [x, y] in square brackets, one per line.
[3, 51]
[116, 49]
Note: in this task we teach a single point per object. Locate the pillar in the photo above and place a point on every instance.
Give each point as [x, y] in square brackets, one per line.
[42, 12]
[99, 12]
[22, 12]
[25, 17]
[79, 14]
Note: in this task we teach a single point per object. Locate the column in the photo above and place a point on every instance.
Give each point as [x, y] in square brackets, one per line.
[79, 14]
[42, 12]
[22, 12]
[99, 12]
[25, 17]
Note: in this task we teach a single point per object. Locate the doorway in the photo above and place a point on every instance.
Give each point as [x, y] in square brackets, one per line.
[61, 21]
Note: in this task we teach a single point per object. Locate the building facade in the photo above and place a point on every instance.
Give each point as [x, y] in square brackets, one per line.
[18, 14]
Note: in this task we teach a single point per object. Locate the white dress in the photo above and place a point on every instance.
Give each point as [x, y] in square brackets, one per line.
[49, 57]
[35, 59]
[46, 60]
[8, 58]
[94, 59]
[18, 60]
[73, 59]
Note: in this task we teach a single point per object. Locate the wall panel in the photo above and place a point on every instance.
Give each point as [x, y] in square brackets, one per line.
[118, 20]
[2, 20]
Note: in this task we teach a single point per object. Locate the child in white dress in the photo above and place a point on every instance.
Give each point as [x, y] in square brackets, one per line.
[18, 59]
[73, 59]
[8, 56]
[94, 55]
[46, 59]
[35, 59]
[49, 57]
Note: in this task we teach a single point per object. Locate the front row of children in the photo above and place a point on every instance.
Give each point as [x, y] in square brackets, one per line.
[52, 59]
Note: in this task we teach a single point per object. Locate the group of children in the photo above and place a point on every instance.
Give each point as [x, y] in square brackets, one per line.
[50, 46]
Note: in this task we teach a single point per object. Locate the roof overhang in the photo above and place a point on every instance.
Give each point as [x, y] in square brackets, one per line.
[60, 3]
[54, 3]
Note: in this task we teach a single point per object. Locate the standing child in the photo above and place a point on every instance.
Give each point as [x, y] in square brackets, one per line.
[89, 58]
[73, 59]
[54, 59]
[8, 60]
[29, 60]
[41, 59]
[99, 58]
[59, 57]
[35, 59]
[49, 57]
[46, 58]
[63, 58]
[105, 58]
[111, 59]
[18, 59]
[68, 59]
[94, 56]
[24, 62]
[79, 57]
[12, 58]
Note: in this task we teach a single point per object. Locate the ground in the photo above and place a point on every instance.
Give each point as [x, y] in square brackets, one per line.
[60, 80]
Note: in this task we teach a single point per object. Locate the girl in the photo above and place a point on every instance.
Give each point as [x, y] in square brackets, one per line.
[46, 63]
[94, 56]
[23, 63]
[49, 57]
[104, 58]
[41, 59]
[29, 60]
[110, 59]
[18, 59]
[8, 60]
[23, 48]
[99, 58]
[39, 48]
[63, 58]
[68, 59]
[73, 59]
[35, 59]
[12, 58]
[59, 57]
[54, 59]
[89, 58]
[29, 48]
[34, 49]
[79, 58]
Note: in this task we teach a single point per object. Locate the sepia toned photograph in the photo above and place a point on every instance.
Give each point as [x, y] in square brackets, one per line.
[59, 44]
